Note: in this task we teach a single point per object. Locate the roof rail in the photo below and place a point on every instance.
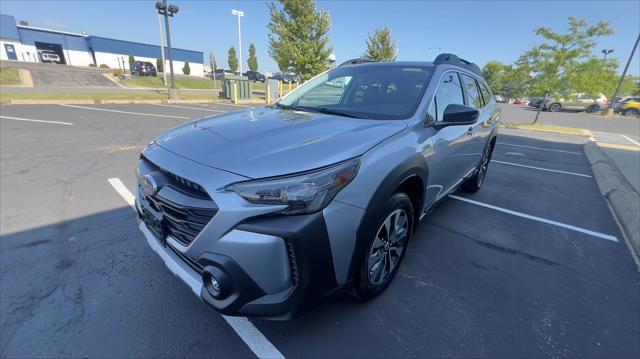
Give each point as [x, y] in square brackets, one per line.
[354, 62]
[452, 59]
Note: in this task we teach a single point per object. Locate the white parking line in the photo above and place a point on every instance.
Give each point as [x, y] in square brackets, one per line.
[41, 121]
[541, 169]
[631, 140]
[255, 340]
[126, 112]
[189, 108]
[539, 219]
[539, 148]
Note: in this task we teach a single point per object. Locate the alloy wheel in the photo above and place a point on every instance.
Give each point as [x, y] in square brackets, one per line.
[388, 246]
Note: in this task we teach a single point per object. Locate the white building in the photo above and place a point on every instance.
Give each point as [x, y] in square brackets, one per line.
[26, 43]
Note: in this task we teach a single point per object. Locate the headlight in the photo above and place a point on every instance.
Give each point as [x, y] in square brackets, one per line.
[305, 193]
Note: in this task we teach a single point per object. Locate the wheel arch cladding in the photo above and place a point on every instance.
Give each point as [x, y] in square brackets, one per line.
[404, 176]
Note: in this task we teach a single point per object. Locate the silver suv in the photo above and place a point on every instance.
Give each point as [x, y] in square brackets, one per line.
[265, 211]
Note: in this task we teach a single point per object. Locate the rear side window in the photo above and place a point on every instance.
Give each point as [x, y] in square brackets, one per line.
[473, 95]
[449, 92]
[486, 95]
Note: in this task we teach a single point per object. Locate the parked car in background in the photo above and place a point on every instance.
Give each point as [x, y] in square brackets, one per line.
[577, 102]
[220, 73]
[324, 191]
[286, 77]
[143, 68]
[629, 107]
[254, 76]
[50, 57]
[534, 101]
[500, 99]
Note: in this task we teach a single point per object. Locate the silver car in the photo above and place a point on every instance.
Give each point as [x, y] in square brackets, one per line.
[265, 211]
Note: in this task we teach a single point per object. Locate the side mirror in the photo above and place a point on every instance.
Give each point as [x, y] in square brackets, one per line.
[456, 114]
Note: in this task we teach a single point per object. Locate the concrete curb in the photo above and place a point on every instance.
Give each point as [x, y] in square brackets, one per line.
[622, 198]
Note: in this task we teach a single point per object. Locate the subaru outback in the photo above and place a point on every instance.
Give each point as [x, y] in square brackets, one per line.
[264, 211]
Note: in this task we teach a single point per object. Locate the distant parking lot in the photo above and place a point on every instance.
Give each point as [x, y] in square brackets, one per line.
[532, 265]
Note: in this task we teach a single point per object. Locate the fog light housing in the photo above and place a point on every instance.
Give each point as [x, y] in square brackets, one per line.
[216, 282]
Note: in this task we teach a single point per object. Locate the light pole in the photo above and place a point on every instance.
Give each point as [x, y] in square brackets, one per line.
[166, 11]
[164, 63]
[624, 73]
[606, 52]
[239, 14]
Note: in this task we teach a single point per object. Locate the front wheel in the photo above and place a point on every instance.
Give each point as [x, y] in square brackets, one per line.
[631, 112]
[386, 246]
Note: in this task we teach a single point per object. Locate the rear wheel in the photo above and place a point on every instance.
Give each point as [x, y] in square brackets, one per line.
[555, 107]
[386, 247]
[474, 183]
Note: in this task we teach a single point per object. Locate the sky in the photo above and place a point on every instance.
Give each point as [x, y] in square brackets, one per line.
[478, 31]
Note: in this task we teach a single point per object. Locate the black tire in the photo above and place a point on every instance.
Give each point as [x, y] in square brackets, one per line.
[555, 107]
[631, 112]
[364, 287]
[474, 183]
[593, 109]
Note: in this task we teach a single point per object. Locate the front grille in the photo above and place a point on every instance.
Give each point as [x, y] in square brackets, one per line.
[184, 206]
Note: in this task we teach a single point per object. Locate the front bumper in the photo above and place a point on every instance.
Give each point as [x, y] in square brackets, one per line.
[308, 243]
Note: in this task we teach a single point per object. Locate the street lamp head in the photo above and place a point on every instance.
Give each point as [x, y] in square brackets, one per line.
[173, 9]
[237, 12]
[160, 5]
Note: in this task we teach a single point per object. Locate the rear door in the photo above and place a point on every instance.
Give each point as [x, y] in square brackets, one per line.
[478, 131]
[449, 162]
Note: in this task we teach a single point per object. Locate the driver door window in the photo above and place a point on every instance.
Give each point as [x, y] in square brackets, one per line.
[449, 92]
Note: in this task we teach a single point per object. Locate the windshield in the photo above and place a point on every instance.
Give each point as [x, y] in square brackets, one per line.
[376, 92]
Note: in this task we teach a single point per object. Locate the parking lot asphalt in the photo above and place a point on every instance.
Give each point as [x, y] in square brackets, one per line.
[532, 265]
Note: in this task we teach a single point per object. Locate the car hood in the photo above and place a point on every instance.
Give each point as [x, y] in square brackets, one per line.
[265, 142]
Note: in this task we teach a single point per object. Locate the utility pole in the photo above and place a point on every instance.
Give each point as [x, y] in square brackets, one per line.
[169, 11]
[624, 73]
[239, 14]
[164, 63]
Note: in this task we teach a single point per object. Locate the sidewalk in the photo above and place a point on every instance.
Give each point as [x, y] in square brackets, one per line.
[628, 162]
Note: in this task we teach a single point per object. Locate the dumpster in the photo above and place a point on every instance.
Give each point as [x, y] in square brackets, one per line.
[242, 87]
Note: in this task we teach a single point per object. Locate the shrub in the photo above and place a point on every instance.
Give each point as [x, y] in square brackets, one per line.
[186, 69]
[117, 73]
[92, 65]
[159, 65]
[104, 66]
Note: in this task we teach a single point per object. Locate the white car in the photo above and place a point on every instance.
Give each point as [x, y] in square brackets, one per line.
[50, 57]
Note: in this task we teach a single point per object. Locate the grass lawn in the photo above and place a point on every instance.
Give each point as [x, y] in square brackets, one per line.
[546, 128]
[5, 97]
[9, 76]
[183, 82]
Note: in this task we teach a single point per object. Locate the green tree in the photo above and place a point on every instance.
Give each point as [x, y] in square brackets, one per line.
[233, 60]
[186, 69]
[381, 46]
[299, 37]
[252, 61]
[494, 73]
[555, 62]
[131, 60]
[159, 65]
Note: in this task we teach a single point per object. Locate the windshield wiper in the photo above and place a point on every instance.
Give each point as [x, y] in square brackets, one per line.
[330, 111]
